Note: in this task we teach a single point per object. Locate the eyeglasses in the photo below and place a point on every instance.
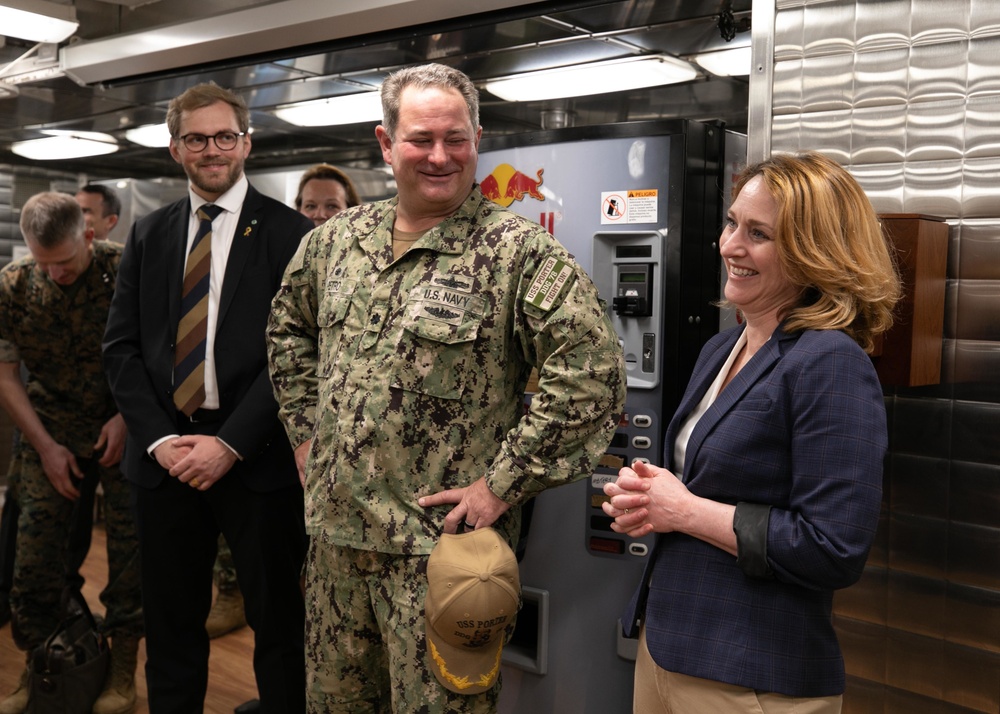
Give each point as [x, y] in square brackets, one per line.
[225, 140]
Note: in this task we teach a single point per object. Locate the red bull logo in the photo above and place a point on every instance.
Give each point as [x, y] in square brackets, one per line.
[505, 184]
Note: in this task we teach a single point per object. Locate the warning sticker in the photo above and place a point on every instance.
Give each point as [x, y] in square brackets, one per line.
[631, 206]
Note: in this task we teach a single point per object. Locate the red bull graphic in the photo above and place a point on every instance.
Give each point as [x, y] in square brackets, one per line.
[505, 184]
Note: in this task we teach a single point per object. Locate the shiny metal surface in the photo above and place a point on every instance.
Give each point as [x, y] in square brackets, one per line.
[279, 51]
[906, 93]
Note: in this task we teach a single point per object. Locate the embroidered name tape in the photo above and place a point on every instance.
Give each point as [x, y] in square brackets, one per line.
[551, 278]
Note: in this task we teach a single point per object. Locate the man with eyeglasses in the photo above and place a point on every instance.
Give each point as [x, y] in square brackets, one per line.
[184, 352]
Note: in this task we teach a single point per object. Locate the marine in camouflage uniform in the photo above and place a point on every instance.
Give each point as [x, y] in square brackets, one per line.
[408, 376]
[56, 331]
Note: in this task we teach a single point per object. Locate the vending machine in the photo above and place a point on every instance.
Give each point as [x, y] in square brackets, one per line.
[640, 207]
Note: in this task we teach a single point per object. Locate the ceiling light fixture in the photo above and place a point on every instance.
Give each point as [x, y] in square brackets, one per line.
[342, 109]
[61, 144]
[154, 136]
[37, 20]
[731, 62]
[593, 78]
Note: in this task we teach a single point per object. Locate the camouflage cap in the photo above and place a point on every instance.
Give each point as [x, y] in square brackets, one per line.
[473, 594]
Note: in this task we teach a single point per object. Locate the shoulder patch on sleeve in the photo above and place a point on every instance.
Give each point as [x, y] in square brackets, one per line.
[548, 284]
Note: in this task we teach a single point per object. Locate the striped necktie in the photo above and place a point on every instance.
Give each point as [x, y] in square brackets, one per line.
[192, 330]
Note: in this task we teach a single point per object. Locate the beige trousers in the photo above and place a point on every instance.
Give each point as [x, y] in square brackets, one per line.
[658, 691]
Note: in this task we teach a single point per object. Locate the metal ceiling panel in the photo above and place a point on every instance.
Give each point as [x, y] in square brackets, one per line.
[265, 28]
[483, 45]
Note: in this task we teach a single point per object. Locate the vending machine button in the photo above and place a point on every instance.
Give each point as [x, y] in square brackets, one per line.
[607, 545]
[643, 421]
[641, 442]
[638, 549]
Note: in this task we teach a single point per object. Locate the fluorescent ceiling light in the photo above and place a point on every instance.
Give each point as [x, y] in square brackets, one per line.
[342, 109]
[593, 78]
[732, 62]
[155, 136]
[37, 20]
[65, 145]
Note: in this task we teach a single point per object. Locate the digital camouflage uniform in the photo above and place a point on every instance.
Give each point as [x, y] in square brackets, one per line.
[57, 334]
[411, 376]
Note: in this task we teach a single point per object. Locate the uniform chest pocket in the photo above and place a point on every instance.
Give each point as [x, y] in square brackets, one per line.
[330, 319]
[435, 352]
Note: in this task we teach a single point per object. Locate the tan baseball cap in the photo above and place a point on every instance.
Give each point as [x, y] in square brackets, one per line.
[473, 594]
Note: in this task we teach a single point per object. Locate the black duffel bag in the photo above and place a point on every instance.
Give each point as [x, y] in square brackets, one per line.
[66, 674]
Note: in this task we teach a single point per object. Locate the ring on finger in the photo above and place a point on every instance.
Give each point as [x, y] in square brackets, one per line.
[195, 483]
[626, 510]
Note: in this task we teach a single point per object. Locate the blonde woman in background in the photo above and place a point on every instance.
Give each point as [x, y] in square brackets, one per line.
[325, 191]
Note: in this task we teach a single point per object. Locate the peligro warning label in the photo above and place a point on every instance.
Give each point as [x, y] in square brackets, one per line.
[629, 206]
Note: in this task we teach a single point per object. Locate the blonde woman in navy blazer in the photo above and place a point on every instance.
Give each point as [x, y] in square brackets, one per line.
[772, 488]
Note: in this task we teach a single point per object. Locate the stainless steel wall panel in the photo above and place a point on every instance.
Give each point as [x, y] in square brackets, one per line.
[827, 83]
[898, 701]
[974, 617]
[921, 426]
[950, 314]
[788, 33]
[933, 187]
[880, 77]
[977, 363]
[867, 600]
[971, 680]
[917, 604]
[920, 485]
[984, 18]
[864, 648]
[882, 25]
[828, 28]
[828, 132]
[978, 312]
[935, 130]
[982, 121]
[866, 697]
[913, 664]
[984, 56]
[974, 436]
[938, 71]
[974, 555]
[787, 87]
[883, 184]
[878, 135]
[975, 499]
[918, 546]
[979, 188]
[947, 357]
[938, 21]
[979, 250]
[787, 129]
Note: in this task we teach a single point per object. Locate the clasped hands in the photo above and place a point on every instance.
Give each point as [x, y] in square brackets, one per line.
[196, 459]
[645, 499]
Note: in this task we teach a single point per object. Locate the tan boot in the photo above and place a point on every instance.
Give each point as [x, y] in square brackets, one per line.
[226, 615]
[118, 696]
[17, 701]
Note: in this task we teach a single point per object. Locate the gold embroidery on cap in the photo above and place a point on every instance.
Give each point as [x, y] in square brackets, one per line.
[463, 682]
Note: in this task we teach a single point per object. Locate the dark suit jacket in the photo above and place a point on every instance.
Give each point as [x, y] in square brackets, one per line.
[142, 328]
[801, 428]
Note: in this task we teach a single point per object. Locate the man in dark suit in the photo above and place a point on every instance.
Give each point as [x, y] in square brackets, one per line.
[185, 356]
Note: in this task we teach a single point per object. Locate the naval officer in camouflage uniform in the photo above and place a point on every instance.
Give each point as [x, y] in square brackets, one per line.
[400, 346]
[53, 307]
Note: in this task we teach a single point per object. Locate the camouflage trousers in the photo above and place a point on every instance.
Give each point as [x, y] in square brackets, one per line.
[42, 542]
[224, 570]
[365, 646]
